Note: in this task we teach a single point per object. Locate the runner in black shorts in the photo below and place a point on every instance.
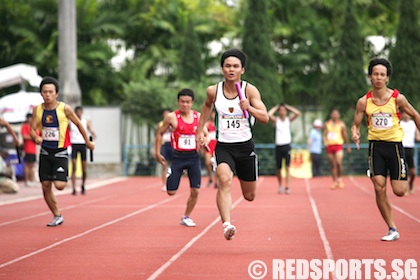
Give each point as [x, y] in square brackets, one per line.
[237, 105]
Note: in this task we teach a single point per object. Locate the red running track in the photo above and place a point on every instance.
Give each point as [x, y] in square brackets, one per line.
[127, 228]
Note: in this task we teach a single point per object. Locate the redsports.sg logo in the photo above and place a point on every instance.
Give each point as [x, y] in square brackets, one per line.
[352, 269]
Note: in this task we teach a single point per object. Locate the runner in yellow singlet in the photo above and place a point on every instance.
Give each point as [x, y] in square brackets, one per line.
[335, 134]
[382, 107]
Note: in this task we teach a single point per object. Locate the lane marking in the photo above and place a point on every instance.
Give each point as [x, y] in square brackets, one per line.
[91, 230]
[402, 211]
[187, 246]
[94, 185]
[71, 206]
[321, 230]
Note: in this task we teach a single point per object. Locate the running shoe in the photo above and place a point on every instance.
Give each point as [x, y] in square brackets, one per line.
[392, 235]
[340, 184]
[287, 190]
[186, 221]
[73, 192]
[280, 189]
[83, 190]
[209, 183]
[58, 220]
[229, 230]
[164, 188]
[334, 186]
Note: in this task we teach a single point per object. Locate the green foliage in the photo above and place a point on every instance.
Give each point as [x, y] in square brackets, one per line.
[405, 56]
[191, 62]
[347, 81]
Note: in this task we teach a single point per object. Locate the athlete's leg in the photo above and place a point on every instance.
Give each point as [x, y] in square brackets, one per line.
[173, 180]
[50, 197]
[382, 200]
[73, 174]
[339, 163]
[224, 177]
[333, 167]
[249, 189]
[84, 172]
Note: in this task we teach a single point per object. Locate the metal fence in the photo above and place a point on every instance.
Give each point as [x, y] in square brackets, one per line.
[139, 159]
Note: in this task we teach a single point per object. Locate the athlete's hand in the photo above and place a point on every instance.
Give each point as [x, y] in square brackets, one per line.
[159, 158]
[201, 141]
[90, 145]
[38, 140]
[355, 135]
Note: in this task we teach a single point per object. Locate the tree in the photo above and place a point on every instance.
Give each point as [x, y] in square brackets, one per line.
[191, 65]
[404, 56]
[347, 78]
[261, 68]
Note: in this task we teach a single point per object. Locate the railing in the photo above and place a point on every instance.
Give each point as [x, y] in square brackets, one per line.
[139, 160]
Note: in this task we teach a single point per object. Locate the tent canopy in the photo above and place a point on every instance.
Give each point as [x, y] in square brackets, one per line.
[18, 74]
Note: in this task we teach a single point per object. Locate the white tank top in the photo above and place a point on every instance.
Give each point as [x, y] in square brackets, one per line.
[75, 136]
[283, 133]
[231, 125]
[409, 139]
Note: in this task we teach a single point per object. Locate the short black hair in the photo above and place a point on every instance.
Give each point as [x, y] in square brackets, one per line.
[77, 108]
[186, 92]
[29, 115]
[49, 80]
[380, 61]
[236, 53]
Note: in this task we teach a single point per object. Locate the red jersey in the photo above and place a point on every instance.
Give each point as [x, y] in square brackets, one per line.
[29, 146]
[183, 137]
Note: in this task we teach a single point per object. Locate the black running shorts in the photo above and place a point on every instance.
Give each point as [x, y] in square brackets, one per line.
[241, 158]
[387, 157]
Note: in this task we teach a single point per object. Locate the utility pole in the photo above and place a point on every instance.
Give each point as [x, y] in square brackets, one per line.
[69, 92]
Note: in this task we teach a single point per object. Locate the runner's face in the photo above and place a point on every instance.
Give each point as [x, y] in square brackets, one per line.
[232, 69]
[49, 93]
[379, 76]
[185, 103]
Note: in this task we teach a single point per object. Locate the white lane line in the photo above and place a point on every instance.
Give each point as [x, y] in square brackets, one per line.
[392, 204]
[321, 230]
[68, 207]
[161, 269]
[93, 185]
[89, 231]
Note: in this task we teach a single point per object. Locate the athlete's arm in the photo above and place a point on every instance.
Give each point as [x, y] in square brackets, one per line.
[345, 137]
[34, 126]
[271, 114]
[357, 120]
[294, 110]
[254, 104]
[167, 122]
[404, 105]
[75, 119]
[9, 129]
[89, 128]
[205, 113]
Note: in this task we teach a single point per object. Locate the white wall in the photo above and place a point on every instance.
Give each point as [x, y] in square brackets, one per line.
[106, 122]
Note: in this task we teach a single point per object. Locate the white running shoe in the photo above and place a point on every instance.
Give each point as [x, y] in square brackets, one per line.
[229, 230]
[58, 220]
[392, 235]
[287, 190]
[186, 221]
[280, 189]
[164, 188]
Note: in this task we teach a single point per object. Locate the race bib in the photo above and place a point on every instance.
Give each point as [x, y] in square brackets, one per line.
[332, 135]
[186, 141]
[50, 133]
[382, 120]
[233, 124]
